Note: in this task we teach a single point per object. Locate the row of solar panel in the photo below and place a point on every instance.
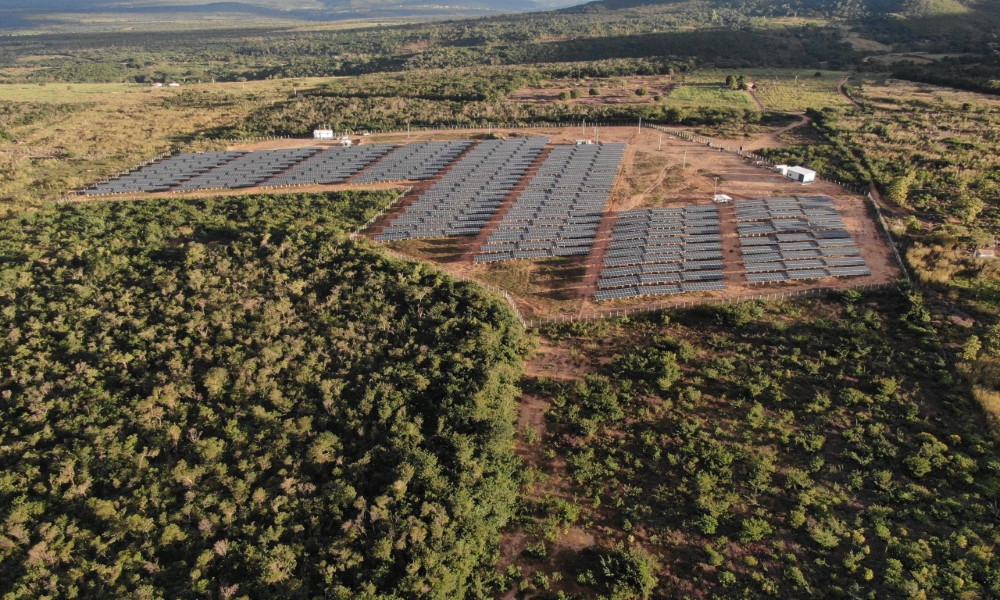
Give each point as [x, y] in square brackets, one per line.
[466, 197]
[658, 290]
[807, 274]
[565, 199]
[287, 167]
[793, 265]
[660, 277]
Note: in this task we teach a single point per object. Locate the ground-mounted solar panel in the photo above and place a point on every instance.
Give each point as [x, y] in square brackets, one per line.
[330, 166]
[164, 175]
[795, 239]
[414, 162]
[466, 197]
[563, 201]
[248, 170]
[663, 251]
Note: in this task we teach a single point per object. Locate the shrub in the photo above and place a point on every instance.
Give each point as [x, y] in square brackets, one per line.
[628, 572]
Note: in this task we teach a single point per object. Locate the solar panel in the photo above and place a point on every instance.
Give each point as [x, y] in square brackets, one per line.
[795, 239]
[663, 251]
[462, 201]
[563, 201]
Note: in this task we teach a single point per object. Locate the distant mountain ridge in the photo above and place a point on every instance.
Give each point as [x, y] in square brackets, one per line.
[910, 8]
[26, 14]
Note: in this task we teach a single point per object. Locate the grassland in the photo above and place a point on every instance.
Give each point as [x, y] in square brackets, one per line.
[711, 94]
[782, 90]
[56, 138]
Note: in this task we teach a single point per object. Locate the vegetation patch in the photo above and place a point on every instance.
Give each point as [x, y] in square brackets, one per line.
[231, 398]
[780, 451]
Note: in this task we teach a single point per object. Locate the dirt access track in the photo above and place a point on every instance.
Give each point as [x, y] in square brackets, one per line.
[659, 169]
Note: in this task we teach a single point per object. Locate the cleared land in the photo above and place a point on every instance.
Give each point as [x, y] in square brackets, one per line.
[654, 175]
[659, 170]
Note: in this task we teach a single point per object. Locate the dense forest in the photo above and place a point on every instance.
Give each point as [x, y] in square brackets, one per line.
[231, 398]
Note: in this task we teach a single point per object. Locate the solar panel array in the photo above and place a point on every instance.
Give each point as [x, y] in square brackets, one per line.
[413, 162]
[166, 174]
[796, 239]
[248, 170]
[560, 210]
[468, 195]
[663, 251]
[333, 165]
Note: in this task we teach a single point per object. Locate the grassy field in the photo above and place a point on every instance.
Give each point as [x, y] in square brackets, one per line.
[68, 93]
[57, 138]
[784, 90]
[709, 94]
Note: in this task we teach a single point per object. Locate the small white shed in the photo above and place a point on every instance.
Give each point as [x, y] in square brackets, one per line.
[801, 174]
[322, 134]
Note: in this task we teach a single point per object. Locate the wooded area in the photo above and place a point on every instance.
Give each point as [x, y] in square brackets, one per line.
[230, 398]
[799, 449]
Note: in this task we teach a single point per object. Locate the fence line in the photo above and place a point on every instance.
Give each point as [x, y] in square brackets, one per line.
[888, 235]
[395, 202]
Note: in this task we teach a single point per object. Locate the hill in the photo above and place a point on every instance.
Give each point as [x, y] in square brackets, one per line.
[110, 14]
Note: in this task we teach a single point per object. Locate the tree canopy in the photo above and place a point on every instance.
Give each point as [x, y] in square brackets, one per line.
[232, 398]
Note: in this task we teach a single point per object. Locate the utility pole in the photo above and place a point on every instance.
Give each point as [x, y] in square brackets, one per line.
[716, 186]
[660, 145]
[685, 159]
[640, 124]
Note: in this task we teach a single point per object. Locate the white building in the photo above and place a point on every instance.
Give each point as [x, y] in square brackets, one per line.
[722, 199]
[801, 174]
[345, 141]
[322, 134]
[584, 142]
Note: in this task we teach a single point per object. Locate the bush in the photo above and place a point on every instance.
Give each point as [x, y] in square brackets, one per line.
[628, 572]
